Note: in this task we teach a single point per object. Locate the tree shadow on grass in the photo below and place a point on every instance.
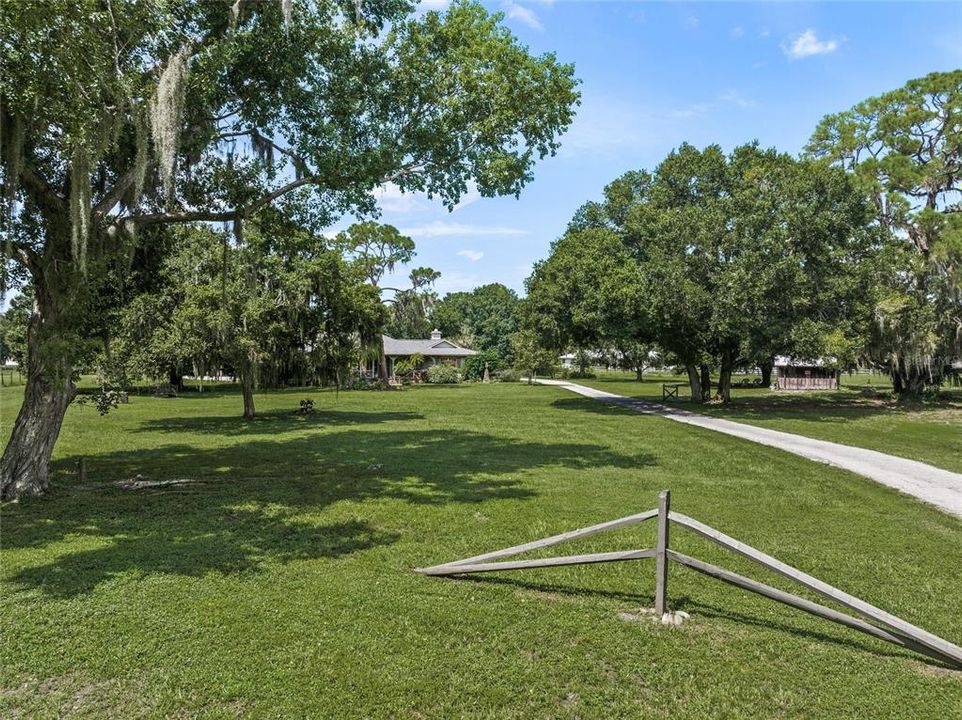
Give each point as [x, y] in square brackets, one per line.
[259, 501]
[766, 408]
[274, 421]
[699, 609]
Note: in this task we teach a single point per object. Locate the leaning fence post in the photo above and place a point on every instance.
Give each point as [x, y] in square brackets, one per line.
[661, 553]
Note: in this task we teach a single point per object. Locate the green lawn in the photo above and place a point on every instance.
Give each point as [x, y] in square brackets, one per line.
[929, 431]
[278, 583]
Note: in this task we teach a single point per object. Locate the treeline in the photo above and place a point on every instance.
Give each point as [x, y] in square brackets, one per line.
[851, 253]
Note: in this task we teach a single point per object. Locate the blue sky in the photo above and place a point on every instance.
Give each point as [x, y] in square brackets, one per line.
[657, 74]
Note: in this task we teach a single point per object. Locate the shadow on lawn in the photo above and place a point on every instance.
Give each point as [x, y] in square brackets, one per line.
[812, 409]
[273, 421]
[261, 500]
[699, 609]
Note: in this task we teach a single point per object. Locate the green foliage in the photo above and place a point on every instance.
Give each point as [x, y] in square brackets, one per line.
[714, 258]
[443, 375]
[530, 356]
[104, 400]
[508, 375]
[473, 367]
[483, 319]
[375, 249]
[411, 307]
[119, 117]
[903, 146]
[13, 328]
[408, 365]
[282, 305]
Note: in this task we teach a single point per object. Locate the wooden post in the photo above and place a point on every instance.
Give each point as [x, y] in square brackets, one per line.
[82, 469]
[661, 553]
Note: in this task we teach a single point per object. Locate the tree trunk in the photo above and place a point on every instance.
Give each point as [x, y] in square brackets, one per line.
[766, 368]
[640, 373]
[247, 385]
[25, 466]
[694, 383]
[909, 381]
[176, 379]
[705, 383]
[725, 378]
[382, 370]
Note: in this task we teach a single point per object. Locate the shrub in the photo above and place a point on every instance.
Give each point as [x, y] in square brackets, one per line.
[361, 383]
[509, 375]
[443, 375]
[473, 367]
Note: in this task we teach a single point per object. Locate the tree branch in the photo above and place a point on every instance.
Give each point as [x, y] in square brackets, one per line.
[224, 215]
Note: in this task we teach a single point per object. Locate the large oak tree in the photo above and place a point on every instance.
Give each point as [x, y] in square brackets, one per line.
[115, 116]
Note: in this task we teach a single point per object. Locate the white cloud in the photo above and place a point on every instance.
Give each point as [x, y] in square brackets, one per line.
[472, 255]
[729, 97]
[734, 97]
[427, 5]
[439, 228]
[514, 11]
[610, 125]
[737, 32]
[393, 200]
[808, 44]
[690, 111]
[471, 196]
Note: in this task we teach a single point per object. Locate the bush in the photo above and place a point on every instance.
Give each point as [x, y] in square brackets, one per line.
[473, 367]
[361, 383]
[443, 375]
[509, 375]
[578, 375]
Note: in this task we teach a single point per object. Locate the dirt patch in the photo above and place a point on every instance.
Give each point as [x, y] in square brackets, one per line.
[924, 668]
[73, 696]
[139, 482]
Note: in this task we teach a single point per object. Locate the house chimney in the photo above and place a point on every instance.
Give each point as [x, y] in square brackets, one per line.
[435, 334]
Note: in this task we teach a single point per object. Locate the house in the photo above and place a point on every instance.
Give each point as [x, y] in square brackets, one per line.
[436, 350]
[796, 374]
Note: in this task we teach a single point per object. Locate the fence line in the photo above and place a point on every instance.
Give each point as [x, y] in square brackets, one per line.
[895, 630]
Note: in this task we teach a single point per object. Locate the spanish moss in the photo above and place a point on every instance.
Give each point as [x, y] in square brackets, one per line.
[166, 112]
[79, 205]
[142, 155]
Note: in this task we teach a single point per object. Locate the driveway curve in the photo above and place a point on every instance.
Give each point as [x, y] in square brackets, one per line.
[933, 485]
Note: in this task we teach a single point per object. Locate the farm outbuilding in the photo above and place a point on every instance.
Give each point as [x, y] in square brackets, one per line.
[796, 374]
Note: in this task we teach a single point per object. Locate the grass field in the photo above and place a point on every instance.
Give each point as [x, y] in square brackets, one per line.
[930, 431]
[278, 582]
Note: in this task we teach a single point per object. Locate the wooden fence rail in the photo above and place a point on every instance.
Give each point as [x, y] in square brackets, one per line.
[894, 629]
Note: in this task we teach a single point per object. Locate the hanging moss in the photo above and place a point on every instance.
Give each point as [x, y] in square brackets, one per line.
[14, 163]
[79, 204]
[263, 148]
[142, 154]
[166, 115]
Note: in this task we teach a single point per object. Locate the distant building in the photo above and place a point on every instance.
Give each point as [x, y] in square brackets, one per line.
[799, 374]
[436, 350]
